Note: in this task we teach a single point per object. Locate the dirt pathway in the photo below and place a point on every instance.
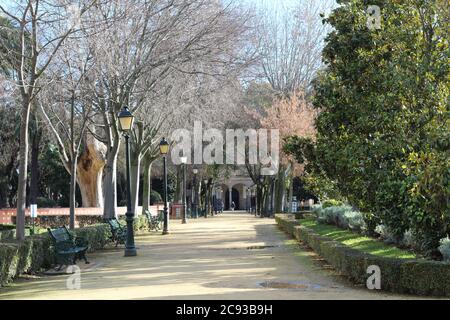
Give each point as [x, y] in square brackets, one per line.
[232, 256]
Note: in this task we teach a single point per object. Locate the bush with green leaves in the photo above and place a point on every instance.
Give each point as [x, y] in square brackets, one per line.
[382, 132]
[331, 203]
[343, 216]
[155, 197]
[36, 252]
[45, 202]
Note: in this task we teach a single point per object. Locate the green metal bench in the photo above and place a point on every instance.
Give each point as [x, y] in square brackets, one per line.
[154, 222]
[118, 232]
[68, 248]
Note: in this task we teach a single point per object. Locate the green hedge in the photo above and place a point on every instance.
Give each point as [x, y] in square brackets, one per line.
[36, 253]
[421, 277]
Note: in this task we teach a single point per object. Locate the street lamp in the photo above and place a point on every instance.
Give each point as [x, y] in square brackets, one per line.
[164, 150]
[195, 202]
[184, 162]
[126, 120]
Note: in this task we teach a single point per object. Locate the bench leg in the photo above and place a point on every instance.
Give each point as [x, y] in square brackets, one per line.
[84, 258]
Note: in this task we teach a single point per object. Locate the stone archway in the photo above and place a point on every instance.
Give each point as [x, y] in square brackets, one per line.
[235, 196]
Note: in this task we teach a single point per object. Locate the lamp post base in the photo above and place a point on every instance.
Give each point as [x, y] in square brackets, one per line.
[130, 252]
[165, 232]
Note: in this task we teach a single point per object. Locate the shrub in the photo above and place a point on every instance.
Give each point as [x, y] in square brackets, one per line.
[36, 252]
[409, 240]
[444, 248]
[316, 208]
[155, 197]
[412, 276]
[355, 221]
[140, 223]
[331, 203]
[386, 234]
[342, 216]
[45, 202]
[7, 227]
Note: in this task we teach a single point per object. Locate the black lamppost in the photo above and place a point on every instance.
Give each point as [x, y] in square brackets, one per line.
[126, 120]
[164, 150]
[184, 162]
[195, 200]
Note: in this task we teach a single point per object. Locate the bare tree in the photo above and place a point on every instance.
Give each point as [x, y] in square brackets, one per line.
[148, 42]
[67, 111]
[42, 29]
[291, 43]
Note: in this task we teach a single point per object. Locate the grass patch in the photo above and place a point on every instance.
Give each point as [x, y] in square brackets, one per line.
[357, 241]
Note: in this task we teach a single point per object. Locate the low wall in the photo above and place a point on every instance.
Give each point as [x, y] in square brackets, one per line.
[7, 216]
[421, 277]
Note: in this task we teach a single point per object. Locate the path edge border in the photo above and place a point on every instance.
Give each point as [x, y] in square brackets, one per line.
[406, 276]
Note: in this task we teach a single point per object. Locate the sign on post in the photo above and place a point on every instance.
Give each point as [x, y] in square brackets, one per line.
[294, 206]
[33, 213]
[33, 210]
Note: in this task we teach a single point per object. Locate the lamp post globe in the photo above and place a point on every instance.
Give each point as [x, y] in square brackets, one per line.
[164, 150]
[126, 120]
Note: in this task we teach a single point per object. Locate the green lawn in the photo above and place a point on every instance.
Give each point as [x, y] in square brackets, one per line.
[357, 241]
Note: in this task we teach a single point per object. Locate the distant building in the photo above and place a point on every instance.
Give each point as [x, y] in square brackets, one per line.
[238, 188]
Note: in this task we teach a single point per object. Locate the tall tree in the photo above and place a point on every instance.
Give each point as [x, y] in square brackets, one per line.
[42, 29]
[290, 45]
[383, 127]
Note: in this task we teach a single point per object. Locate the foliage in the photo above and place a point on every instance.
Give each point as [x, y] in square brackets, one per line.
[155, 197]
[383, 129]
[36, 253]
[342, 216]
[331, 203]
[45, 202]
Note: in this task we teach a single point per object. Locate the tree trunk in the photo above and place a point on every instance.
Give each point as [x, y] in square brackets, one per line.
[178, 193]
[266, 200]
[89, 177]
[147, 187]
[135, 173]
[110, 186]
[259, 199]
[34, 183]
[73, 179]
[23, 169]
[279, 190]
[291, 192]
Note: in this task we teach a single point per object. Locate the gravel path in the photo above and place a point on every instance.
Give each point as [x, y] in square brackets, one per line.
[232, 256]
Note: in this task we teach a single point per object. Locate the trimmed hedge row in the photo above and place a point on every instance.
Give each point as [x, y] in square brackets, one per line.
[35, 252]
[421, 277]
